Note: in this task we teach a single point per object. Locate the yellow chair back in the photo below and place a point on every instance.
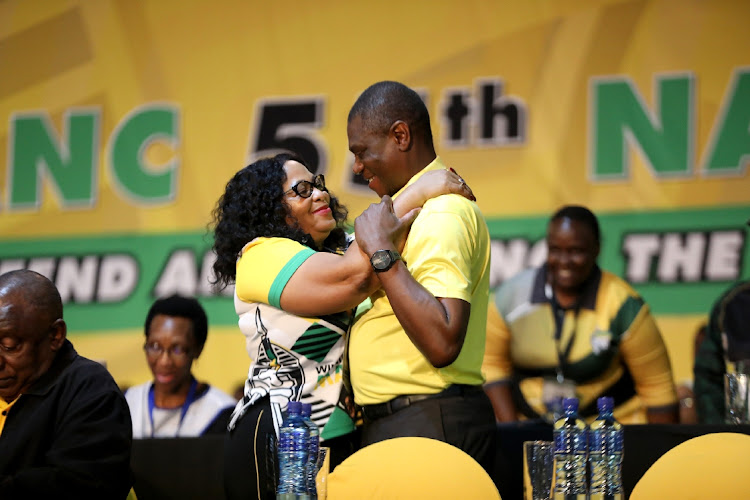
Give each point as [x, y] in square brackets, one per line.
[712, 466]
[410, 468]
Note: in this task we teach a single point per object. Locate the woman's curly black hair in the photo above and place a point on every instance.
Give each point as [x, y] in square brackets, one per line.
[253, 206]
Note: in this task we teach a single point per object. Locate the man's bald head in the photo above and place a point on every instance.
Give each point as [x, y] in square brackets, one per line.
[32, 330]
[34, 291]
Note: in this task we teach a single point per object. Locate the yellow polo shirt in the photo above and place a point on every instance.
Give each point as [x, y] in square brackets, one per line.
[447, 252]
[4, 408]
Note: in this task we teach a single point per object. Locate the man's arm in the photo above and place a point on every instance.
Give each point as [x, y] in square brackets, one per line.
[436, 326]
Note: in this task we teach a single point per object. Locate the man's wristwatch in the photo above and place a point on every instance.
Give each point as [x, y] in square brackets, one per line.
[382, 260]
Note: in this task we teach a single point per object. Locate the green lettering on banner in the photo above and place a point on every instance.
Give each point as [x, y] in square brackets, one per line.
[680, 261]
[68, 164]
[729, 152]
[620, 115]
[130, 140]
[109, 282]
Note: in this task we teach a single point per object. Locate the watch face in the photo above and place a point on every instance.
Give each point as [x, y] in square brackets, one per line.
[381, 259]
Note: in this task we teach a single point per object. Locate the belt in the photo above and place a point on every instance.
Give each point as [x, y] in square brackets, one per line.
[376, 411]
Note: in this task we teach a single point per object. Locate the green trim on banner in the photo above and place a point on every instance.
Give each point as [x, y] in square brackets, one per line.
[108, 282]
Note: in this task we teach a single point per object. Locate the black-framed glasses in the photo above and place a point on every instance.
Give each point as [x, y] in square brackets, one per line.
[155, 350]
[305, 188]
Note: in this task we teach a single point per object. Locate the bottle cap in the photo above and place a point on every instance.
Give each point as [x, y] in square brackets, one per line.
[570, 404]
[294, 407]
[605, 403]
[306, 409]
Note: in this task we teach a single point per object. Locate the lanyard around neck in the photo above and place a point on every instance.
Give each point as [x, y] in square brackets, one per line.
[558, 313]
[185, 406]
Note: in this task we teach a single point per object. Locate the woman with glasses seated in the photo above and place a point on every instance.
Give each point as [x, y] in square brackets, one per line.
[279, 237]
[175, 404]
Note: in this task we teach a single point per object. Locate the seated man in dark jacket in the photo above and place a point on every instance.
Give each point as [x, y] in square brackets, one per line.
[65, 428]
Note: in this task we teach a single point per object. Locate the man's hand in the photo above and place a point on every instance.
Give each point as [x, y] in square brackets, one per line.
[379, 228]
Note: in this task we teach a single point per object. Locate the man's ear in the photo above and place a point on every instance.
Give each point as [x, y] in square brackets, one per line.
[401, 133]
[57, 334]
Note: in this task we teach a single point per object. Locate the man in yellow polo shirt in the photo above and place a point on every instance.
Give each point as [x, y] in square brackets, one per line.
[415, 353]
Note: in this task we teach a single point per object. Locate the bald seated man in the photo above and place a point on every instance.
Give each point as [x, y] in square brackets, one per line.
[65, 429]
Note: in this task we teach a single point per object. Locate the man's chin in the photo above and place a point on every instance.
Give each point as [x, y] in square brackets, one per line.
[567, 285]
[383, 192]
[376, 188]
[9, 386]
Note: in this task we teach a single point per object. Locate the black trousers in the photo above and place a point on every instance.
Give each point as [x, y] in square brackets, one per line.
[250, 468]
[464, 421]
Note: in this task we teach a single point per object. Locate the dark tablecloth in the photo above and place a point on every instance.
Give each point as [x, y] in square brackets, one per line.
[191, 468]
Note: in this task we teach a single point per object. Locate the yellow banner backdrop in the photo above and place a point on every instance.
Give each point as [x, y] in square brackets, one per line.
[123, 120]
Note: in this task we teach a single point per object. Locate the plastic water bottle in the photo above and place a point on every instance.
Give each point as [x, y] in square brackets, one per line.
[605, 453]
[313, 447]
[570, 437]
[294, 437]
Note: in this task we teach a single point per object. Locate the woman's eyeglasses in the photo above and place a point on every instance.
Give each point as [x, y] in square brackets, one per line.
[305, 188]
[155, 350]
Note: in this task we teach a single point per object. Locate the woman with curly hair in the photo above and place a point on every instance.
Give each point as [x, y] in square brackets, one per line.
[279, 237]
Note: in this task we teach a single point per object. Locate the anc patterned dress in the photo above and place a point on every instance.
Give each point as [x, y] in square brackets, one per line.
[293, 358]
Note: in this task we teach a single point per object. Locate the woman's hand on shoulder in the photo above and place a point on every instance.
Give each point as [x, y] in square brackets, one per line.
[438, 182]
[430, 185]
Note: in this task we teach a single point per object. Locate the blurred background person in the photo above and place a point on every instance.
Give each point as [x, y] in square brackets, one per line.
[279, 236]
[65, 429]
[571, 329]
[725, 349]
[174, 403]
